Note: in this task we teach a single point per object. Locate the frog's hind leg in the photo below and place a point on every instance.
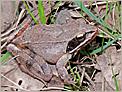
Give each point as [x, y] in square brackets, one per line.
[30, 64]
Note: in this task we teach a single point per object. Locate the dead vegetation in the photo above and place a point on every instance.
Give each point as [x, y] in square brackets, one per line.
[61, 45]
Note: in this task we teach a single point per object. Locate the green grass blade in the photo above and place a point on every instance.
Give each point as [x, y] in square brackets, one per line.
[102, 44]
[41, 12]
[5, 57]
[52, 17]
[105, 46]
[115, 81]
[97, 19]
[27, 8]
[107, 9]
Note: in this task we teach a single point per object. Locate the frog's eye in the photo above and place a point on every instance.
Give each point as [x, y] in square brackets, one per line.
[80, 35]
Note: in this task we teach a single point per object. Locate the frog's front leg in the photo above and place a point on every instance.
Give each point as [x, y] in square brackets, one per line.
[60, 65]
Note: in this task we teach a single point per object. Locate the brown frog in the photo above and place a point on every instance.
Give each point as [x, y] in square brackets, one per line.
[44, 46]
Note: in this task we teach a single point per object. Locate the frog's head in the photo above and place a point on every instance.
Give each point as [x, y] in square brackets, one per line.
[81, 40]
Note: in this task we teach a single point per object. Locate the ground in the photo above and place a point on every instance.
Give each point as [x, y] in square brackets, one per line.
[91, 69]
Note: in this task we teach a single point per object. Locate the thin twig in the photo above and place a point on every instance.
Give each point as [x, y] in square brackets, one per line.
[40, 89]
[97, 8]
[113, 15]
[81, 80]
[20, 16]
[93, 74]
[103, 84]
[14, 26]
[12, 36]
[4, 39]
[98, 3]
[3, 45]
[88, 65]
[14, 68]
[7, 32]
[19, 87]
[10, 86]
[10, 60]
[51, 88]
[87, 76]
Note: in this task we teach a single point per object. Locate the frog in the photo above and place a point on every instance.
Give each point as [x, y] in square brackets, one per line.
[49, 44]
[43, 46]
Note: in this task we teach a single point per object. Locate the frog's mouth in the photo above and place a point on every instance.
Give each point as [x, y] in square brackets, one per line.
[80, 41]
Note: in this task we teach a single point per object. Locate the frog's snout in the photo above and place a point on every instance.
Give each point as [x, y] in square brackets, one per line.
[12, 48]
